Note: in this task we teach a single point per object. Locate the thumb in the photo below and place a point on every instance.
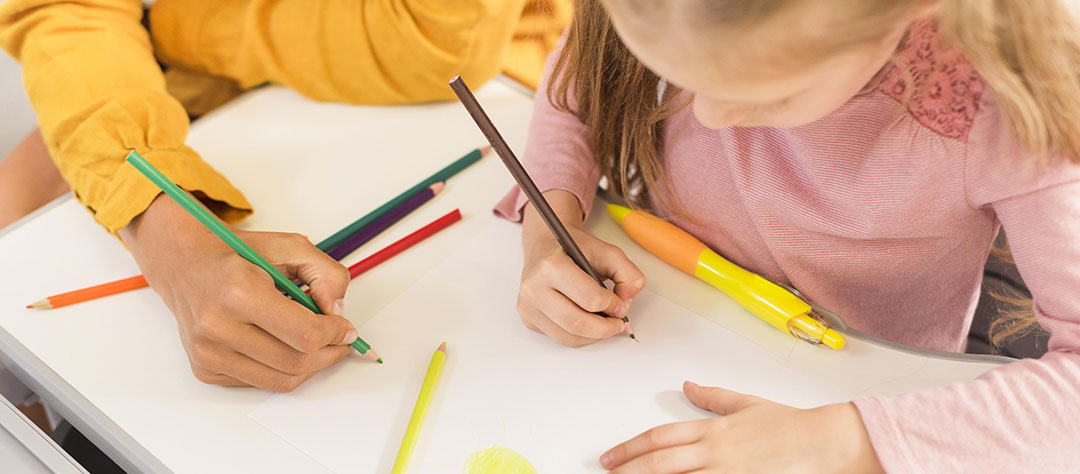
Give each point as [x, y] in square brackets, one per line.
[717, 400]
[327, 278]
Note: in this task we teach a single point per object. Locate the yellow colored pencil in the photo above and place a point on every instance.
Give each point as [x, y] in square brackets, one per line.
[427, 391]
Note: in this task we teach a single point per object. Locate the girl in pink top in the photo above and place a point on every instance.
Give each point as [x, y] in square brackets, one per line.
[865, 152]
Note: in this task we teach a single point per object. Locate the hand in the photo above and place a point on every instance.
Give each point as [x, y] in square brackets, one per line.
[753, 435]
[237, 328]
[556, 297]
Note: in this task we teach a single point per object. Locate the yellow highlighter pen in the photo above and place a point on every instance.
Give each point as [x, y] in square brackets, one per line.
[772, 303]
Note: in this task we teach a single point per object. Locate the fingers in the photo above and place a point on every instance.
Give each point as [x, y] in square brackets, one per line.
[568, 279]
[575, 320]
[663, 436]
[293, 324]
[676, 460]
[559, 291]
[212, 378]
[537, 321]
[270, 351]
[717, 400]
[222, 366]
[296, 257]
[551, 313]
[611, 262]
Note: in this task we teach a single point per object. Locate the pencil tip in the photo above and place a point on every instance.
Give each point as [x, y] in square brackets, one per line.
[29, 306]
[372, 355]
[442, 347]
[435, 188]
[42, 304]
[484, 150]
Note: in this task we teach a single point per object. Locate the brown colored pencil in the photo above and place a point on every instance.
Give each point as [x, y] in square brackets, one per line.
[526, 183]
[78, 296]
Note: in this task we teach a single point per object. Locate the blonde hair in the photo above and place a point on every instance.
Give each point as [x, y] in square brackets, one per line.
[1027, 52]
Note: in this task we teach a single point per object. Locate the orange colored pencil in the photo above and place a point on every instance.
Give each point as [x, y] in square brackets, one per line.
[78, 296]
[135, 282]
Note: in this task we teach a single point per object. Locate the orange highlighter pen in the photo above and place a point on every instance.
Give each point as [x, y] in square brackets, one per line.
[768, 301]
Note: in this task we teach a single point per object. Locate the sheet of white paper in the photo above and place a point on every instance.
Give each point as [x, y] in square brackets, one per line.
[505, 385]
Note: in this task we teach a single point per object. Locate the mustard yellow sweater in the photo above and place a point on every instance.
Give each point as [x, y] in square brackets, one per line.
[90, 70]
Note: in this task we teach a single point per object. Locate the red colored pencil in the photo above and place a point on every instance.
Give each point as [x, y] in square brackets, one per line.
[127, 284]
[405, 242]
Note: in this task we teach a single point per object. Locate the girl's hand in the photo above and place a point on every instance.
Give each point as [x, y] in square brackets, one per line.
[237, 328]
[556, 297]
[754, 435]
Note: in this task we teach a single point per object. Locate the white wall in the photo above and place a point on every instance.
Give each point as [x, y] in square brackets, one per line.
[16, 117]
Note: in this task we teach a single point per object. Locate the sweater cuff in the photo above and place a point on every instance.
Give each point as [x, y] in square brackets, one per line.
[510, 207]
[127, 193]
[885, 435]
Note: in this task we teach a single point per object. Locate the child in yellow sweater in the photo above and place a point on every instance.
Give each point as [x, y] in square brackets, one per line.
[92, 74]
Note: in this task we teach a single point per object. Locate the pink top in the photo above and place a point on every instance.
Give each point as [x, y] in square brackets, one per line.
[885, 215]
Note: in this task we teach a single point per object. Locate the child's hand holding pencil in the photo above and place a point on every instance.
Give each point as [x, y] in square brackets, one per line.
[557, 297]
[237, 328]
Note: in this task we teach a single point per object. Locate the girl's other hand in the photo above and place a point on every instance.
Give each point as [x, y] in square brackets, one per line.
[556, 297]
[236, 326]
[753, 435]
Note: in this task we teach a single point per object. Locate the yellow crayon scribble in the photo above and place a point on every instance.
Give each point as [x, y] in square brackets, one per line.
[498, 460]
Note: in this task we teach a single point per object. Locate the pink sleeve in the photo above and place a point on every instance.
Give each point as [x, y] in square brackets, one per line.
[556, 155]
[1024, 416]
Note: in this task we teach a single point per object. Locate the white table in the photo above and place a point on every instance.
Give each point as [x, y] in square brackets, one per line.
[122, 378]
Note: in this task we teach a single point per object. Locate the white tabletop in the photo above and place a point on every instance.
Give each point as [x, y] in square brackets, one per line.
[115, 368]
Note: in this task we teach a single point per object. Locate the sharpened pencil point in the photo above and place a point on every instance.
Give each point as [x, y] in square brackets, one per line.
[372, 355]
[40, 304]
[435, 188]
[484, 150]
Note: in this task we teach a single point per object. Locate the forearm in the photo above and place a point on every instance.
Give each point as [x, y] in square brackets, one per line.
[372, 52]
[98, 92]
[566, 207]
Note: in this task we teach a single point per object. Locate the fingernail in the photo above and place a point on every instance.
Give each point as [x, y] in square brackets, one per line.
[620, 310]
[339, 307]
[625, 328]
[350, 336]
[692, 384]
[605, 460]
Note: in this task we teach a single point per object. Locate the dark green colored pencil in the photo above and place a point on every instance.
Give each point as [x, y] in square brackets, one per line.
[444, 174]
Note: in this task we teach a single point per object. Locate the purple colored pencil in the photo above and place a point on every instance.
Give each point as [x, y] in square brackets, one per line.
[375, 228]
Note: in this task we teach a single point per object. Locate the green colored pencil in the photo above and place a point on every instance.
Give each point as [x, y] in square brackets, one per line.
[443, 175]
[218, 228]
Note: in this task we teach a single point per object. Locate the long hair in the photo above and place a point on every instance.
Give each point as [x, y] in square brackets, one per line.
[1027, 52]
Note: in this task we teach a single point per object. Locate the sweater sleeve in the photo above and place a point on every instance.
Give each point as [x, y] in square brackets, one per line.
[368, 52]
[98, 93]
[557, 154]
[1021, 417]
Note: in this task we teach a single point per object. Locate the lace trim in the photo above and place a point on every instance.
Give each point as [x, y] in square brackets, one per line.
[947, 89]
